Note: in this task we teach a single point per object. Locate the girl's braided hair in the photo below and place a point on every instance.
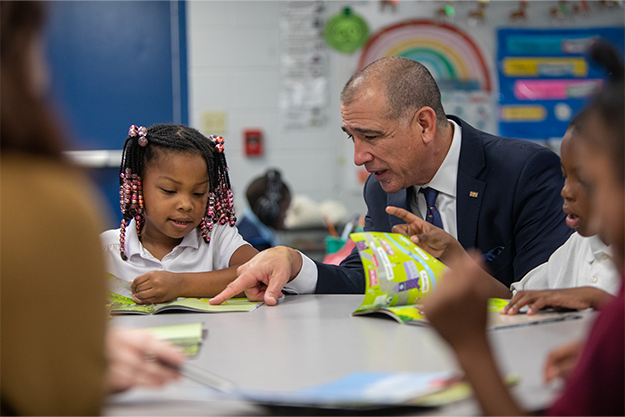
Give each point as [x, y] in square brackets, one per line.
[143, 145]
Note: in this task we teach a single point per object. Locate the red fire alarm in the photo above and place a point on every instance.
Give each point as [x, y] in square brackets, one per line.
[253, 141]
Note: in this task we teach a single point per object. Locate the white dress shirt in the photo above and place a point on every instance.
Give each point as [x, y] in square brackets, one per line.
[191, 255]
[581, 261]
[444, 182]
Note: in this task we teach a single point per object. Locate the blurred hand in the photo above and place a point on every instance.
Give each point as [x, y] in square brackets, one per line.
[575, 298]
[457, 308]
[264, 276]
[138, 358]
[561, 362]
[156, 287]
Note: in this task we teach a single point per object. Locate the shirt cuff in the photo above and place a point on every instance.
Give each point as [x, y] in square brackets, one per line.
[306, 281]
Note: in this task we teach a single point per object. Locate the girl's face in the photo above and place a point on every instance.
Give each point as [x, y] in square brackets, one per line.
[576, 202]
[175, 193]
[606, 189]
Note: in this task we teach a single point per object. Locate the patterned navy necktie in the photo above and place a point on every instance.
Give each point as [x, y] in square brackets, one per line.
[432, 215]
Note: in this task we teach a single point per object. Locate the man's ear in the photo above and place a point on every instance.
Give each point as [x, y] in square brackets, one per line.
[424, 123]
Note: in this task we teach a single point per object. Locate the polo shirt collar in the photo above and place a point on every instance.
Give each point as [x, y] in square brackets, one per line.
[600, 251]
[134, 247]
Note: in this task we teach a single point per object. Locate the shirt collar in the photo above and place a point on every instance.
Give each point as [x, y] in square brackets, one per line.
[134, 247]
[446, 177]
[600, 251]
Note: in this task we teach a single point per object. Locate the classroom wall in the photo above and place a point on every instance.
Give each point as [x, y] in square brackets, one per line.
[234, 52]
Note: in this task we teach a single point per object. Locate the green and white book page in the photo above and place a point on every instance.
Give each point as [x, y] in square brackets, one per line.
[494, 306]
[194, 305]
[398, 275]
[119, 289]
[495, 320]
[187, 337]
[120, 302]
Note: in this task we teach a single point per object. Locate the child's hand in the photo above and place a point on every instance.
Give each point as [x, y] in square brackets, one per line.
[138, 358]
[156, 287]
[562, 361]
[429, 237]
[457, 309]
[577, 298]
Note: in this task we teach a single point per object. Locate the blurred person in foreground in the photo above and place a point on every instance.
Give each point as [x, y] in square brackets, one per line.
[58, 358]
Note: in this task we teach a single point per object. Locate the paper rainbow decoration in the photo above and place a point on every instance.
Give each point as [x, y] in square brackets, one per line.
[450, 54]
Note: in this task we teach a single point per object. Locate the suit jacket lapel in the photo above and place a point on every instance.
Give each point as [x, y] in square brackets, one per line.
[469, 194]
[400, 199]
[469, 189]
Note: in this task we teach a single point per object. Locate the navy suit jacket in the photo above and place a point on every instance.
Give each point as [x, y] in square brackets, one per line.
[516, 220]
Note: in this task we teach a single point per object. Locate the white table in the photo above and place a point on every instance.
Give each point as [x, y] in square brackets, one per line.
[312, 339]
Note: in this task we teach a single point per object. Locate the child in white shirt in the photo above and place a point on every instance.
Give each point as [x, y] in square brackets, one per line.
[580, 273]
[177, 236]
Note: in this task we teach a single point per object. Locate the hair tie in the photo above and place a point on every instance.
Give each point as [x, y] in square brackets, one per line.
[140, 131]
[218, 141]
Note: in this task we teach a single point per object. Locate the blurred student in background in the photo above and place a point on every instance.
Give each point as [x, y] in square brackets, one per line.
[594, 370]
[268, 198]
[57, 356]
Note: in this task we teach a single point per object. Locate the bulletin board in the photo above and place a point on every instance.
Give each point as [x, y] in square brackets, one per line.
[545, 78]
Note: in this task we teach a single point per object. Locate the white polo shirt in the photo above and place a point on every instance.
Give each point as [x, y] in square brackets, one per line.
[191, 255]
[581, 261]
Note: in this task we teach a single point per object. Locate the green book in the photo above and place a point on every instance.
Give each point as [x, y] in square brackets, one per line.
[120, 302]
[187, 337]
[399, 275]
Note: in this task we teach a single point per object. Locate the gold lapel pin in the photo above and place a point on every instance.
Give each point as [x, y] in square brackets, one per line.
[473, 194]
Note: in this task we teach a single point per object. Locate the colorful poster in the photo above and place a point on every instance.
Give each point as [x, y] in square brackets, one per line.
[545, 78]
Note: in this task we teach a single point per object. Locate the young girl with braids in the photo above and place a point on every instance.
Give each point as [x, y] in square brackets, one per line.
[177, 236]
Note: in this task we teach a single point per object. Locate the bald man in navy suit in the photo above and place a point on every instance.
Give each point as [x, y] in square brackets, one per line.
[498, 195]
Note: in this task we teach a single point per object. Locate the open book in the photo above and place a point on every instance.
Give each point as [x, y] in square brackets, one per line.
[120, 302]
[367, 390]
[399, 275]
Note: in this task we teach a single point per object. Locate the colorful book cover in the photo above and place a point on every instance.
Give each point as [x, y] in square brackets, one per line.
[398, 275]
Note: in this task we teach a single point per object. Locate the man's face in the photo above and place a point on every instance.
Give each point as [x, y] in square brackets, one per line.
[392, 150]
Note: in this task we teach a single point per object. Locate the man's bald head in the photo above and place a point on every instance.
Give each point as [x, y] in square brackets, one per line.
[407, 84]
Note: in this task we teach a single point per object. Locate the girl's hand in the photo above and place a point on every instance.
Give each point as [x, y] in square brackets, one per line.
[138, 358]
[156, 287]
[457, 309]
[577, 298]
